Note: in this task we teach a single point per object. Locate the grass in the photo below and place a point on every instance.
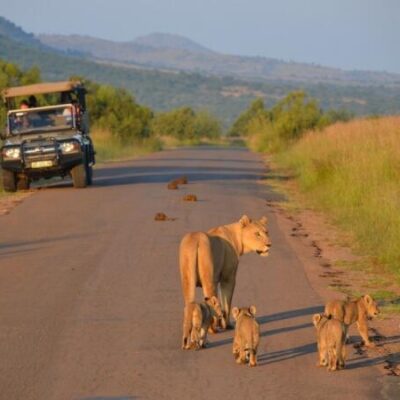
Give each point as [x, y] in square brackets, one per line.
[352, 171]
[110, 148]
[169, 142]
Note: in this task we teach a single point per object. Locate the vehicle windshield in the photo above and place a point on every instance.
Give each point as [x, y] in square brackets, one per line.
[39, 119]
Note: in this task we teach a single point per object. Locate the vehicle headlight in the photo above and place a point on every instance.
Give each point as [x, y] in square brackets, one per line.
[70, 147]
[12, 153]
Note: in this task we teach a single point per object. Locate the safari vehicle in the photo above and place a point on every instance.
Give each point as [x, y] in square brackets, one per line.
[46, 141]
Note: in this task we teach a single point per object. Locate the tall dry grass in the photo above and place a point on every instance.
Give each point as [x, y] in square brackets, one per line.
[352, 170]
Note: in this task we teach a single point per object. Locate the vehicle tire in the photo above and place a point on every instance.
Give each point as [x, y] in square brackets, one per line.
[89, 175]
[9, 181]
[79, 176]
[23, 183]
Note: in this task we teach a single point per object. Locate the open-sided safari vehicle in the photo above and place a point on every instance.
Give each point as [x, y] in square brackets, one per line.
[46, 141]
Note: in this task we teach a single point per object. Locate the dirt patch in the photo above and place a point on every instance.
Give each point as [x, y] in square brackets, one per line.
[335, 272]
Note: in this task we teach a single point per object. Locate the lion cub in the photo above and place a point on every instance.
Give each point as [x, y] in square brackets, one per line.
[247, 335]
[198, 318]
[331, 335]
[350, 311]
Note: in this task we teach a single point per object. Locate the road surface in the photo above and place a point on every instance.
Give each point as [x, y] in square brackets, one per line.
[91, 304]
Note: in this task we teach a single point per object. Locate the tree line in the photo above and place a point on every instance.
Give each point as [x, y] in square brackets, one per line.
[116, 109]
[275, 128]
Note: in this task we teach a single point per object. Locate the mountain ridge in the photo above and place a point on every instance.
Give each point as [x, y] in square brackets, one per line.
[179, 53]
[172, 41]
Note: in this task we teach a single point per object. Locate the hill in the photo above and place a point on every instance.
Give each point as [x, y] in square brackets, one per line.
[222, 95]
[169, 41]
[179, 53]
[9, 29]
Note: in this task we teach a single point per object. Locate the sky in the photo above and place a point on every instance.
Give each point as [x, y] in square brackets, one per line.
[349, 34]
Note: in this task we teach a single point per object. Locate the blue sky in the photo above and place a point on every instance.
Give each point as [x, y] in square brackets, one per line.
[350, 34]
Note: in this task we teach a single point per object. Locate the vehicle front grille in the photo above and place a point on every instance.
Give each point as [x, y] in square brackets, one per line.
[39, 151]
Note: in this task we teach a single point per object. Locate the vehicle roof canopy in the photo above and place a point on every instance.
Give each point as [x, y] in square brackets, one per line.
[42, 88]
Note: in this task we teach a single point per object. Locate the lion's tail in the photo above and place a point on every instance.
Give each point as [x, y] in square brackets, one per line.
[188, 266]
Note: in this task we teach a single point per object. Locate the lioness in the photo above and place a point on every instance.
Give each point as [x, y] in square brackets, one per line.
[197, 320]
[247, 335]
[331, 336]
[350, 311]
[209, 259]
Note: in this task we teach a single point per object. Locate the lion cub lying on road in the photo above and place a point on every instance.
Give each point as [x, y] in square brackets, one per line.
[331, 335]
[351, 311]
[198, 318]
[247, 335]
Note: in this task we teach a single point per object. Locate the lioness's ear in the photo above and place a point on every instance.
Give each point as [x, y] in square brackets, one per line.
[368, 299]
[235, 313]
[316, 318]
[253, 310]
[264, 220]
[245, 220]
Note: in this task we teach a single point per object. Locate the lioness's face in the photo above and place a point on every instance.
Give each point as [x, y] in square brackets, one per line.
[372, 307]
[255, 237]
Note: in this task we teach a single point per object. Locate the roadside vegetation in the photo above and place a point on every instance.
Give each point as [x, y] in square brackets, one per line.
[121, 127]
[348, 168]
[351, 170]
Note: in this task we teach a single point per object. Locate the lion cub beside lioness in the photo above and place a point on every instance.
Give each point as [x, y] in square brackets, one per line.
[247, 335]
[331, 335]
[198, 318]
[350, 311]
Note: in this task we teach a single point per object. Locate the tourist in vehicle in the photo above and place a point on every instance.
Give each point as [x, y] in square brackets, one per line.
[23, 105]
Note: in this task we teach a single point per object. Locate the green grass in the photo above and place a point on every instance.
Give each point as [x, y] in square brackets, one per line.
[383, 295]
[109, 148]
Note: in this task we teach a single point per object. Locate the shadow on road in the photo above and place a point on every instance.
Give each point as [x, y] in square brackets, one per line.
[364, 361]
[10, 248]
[164, 173]
[109, 398]
[290, 314]
[277, 317]
[282, 355]
[285, 329]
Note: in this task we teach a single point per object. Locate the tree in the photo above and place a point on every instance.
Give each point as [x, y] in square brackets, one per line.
[295, 114]
[12, 75]
[240, 126]
[115, 109]
[207, 125]
[178, 123]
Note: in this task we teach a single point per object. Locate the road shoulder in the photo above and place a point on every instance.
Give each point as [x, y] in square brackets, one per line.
[334, 270]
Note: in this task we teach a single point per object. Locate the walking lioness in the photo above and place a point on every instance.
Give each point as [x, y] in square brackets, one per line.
[247, 335]
[350, 311]
[198, 318]
[331, 335]
[209, 259]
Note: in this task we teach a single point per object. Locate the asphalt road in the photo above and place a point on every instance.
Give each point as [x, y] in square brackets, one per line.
[90, 298]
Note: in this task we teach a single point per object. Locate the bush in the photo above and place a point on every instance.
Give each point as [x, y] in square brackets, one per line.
[185, 125]
[116, 110]
[241, 125]
[274, 130]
